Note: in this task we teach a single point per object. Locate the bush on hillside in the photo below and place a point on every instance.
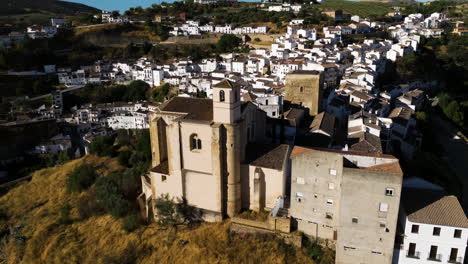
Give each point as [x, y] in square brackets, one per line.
[110, 195]
[124, 158]
[81, 178]
[131, 222]
[102, 146]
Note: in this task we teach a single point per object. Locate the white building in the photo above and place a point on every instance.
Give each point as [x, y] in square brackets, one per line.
[435, 228]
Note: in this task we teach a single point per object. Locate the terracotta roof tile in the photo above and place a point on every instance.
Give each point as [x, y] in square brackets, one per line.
[433, 207]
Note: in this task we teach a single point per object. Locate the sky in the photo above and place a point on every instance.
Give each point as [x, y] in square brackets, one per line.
[121, 5]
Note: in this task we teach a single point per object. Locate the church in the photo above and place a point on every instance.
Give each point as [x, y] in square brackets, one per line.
[212, 154]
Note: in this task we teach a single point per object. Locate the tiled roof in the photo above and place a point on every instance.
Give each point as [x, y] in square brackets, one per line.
[195, 108]
[226, 84]
[273, 159]
[391, 168]
[324, 121]
[433, 207]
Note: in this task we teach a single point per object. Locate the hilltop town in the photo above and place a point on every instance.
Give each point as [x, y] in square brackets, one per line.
[344, 136]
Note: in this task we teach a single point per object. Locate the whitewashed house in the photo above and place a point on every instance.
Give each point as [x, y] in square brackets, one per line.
[435, 228]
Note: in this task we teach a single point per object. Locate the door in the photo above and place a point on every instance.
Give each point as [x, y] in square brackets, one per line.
[433, 252]
[453, 255]
[412, 249]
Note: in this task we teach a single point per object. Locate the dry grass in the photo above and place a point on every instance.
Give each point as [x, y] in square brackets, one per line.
[100, 239]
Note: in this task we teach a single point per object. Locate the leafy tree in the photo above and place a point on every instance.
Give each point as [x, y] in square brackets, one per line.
[167, 210]
[109, 196]
[62, 157]
[228, 42]
[81, 178]
[124, 158]
[102, 146]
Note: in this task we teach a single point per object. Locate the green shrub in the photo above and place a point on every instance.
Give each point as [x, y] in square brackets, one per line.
[124, 158]
[102, 146]
[81, 178]
[110, 196]
[131, 222]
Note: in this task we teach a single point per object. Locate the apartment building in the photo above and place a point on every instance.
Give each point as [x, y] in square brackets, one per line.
[347, 199]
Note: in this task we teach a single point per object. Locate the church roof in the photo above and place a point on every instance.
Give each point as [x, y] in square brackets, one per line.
[273, 159]
[194, 108]
[226, 84]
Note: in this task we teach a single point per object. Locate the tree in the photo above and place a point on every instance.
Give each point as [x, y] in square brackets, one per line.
[102, 146]
[115, 13]
[228, 43]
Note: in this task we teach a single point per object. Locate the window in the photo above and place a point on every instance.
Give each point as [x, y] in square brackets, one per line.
[436, 231]
[389, 192]
[383, 224]
[331, 186]
[415, 229]
[383, 207]
[299, 197]
[195, 142]
[266, 102]
[329, 201]
[354, 220]
[163, 178]
[457, 233]
[329, 215]
[332, 172]
[222, 97]
[273, 113]
[376, 252]
[300, 180]
[315, 195]
[301, 89]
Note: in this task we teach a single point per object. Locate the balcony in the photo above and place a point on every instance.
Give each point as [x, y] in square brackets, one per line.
[437, 257]
[414, 254]
[458, 260]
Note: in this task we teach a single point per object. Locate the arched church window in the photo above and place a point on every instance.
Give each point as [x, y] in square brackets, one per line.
[222, 97]
[301, 89]
[195, 142]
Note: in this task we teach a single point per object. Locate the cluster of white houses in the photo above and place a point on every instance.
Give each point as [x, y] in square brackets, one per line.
[193, 28]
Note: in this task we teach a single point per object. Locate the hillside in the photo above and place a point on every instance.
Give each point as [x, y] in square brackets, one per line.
[30, 212]
[9, 7]
[360, 8]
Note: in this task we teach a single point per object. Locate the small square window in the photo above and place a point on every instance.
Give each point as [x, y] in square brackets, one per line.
[383, 207]
[457, 233]
[332, 172]
[415, 229]
[315, 195]
[163, 178]
[383, 225]
[329, 215]
[354, 220]
[300, 180]
[331, 186]
[436, 231]
[389, 192]
[329, 201]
